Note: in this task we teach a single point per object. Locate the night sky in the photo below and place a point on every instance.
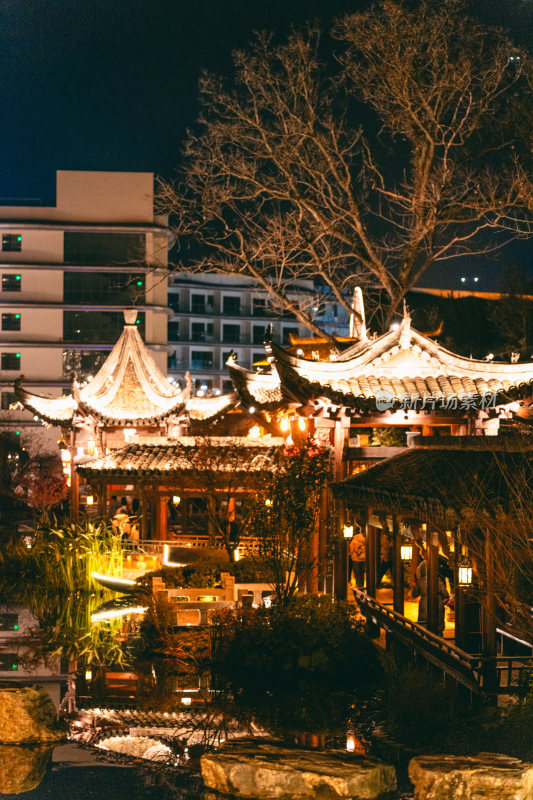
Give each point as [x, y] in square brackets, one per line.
[111, 84]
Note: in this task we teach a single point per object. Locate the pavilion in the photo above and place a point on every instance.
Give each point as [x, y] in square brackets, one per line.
[473, 507]
[127, 400]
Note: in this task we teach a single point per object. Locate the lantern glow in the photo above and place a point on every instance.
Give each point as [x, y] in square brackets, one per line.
[347, 531]
[406, 551]
[90, 500]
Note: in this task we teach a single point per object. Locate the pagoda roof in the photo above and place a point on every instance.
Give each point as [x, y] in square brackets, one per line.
[128, 390]
[184, 455]
[435, 483]
[401, 366]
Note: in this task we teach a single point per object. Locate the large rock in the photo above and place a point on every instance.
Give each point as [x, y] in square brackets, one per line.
[269, 770]
[22, 768]
[487, 776]
[27, 716]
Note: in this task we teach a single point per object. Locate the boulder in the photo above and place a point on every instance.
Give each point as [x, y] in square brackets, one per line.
[22, 768]
[271, 770]
[486, 776]
[28, 716]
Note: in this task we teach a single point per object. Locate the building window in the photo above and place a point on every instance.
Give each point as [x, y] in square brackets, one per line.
[231, 306]
[8, 662]
[8, 399]
[261, 307]
[96, 326]
[11, 283]
[82, 364]
[9, 622]
[11, 361]
[103, 248]
[11, 322]
[115, 288]
[173, 331]
[11, 242]
[287, 334]
[202, 304]
[201, 359]
[174, 301]
[203, 387]
[231, 334]
[201, 331]
[259, 333]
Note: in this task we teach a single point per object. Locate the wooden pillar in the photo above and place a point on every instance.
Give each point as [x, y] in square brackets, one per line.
[459, 600]
[371, 559]
[341, 559]
[488, 621]
[433, 582]
[397, 566]
[314, 554]
[161, 531]
[322, 543]
[143, 510]
[102, 499]
[74, 493]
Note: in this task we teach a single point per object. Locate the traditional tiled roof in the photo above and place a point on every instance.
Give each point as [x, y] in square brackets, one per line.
[403, 368]
[435, 483]
[128, 390]
[185, 455]
[256, 388]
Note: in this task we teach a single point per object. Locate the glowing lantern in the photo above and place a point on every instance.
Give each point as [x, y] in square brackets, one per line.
[91, 446]
[236, 555]
[464, 572]
[347, 531]
[406, 551]
[255, 432]
[90, 500]
[88, 675]
[301, 423]
[268, 501]
[284, 424]
[350, 743]
[65, 456]
[176, 499]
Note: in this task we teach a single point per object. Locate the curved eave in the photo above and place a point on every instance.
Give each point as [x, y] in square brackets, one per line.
[125, 422]
[241, 379]
[308, 391]
[26, 399]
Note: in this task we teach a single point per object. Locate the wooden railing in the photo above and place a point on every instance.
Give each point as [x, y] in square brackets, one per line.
[501, 674]
[155, 547]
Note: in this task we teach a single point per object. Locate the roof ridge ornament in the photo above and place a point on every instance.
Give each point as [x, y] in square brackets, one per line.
[405, 328]
[130, 316]
[357, 316]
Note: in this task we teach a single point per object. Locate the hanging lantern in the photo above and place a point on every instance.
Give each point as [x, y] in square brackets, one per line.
[406, 552]
[91, 446]
[176, 499]
[347, 531]
[284, 424]
[301, 423]
[90, 500]
[464, 572]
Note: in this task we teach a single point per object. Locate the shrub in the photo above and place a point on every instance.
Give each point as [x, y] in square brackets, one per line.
[309, 640]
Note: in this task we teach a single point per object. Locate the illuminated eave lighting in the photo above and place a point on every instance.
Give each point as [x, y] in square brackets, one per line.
[123, 581]
[99, 616]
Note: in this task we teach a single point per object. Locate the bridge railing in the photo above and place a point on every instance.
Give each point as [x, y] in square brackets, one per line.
[501, 674]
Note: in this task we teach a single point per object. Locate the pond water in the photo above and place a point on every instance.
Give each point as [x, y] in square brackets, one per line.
[139, 721]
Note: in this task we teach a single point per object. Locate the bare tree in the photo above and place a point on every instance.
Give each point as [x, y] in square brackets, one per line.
[407, 147]
[226, 473]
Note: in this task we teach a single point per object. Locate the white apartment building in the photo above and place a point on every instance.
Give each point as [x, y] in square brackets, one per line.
[214, 314]
[67, 273]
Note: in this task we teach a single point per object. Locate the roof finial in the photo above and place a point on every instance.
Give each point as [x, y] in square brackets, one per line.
[130, 316]
[357, 317]
[405, 329]
[405, 309]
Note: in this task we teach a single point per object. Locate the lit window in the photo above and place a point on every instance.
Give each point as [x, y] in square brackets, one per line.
[11, 361]
[11, 322]
[11, 242]
[11, 283]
